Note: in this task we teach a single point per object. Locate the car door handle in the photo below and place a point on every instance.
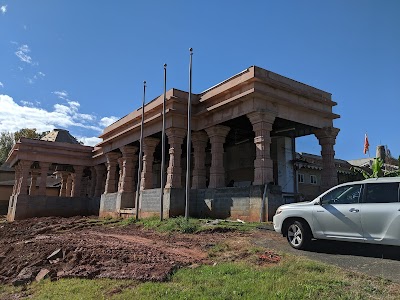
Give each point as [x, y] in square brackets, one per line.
[354, 210]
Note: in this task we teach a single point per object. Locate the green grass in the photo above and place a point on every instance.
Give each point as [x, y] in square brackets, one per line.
[295, 278]
[178, 224]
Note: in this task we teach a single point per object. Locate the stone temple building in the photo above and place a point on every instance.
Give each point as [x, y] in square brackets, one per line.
[243, 148]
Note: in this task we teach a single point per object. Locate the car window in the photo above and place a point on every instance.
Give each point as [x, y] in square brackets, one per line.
[343, 195]
[382, 192]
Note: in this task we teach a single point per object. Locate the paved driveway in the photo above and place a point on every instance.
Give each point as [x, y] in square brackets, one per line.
[374, 260]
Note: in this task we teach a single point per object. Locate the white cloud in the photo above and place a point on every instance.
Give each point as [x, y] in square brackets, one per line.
[22, 54]
[1, 84]
[14, 116]
[38, 75]
[61, 94]
[26, 103]
[3, 9]
[107, 121]
[89, 141]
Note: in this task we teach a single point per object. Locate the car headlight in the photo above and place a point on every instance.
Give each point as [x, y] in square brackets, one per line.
[278, 211]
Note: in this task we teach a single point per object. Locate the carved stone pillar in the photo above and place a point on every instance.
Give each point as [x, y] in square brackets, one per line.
[174, 170]
[64, 178]
[17, 179]
[112, 160]
[68, 188]
[120, 174]
[149, 146]
[129, 159]
[44, 168]
[23, 181]
[32, 187]
[199, 142]
[77, 181]
[100, 171]
[263, 167]
[217, 135]
[92, 181]
[327, 139]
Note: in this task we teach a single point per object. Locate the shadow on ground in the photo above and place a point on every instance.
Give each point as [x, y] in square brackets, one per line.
[355, 249]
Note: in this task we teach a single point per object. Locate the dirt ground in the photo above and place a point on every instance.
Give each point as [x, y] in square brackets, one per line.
[78, 247]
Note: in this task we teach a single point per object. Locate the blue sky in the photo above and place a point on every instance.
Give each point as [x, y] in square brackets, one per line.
[80, 65]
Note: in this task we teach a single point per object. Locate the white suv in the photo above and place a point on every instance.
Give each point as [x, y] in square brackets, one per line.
[362, 211]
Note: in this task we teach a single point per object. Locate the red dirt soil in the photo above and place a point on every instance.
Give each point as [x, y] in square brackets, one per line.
[76, 247]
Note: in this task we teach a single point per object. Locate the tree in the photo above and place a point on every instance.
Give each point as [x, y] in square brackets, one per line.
[377, 170]
[29, 133]
[6, 143]
[8, 139]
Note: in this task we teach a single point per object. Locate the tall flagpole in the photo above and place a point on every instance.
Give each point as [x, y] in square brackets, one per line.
[163, 147]
[189, 143]
[140, 154]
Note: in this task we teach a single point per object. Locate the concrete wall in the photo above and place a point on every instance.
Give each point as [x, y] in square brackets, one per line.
[243, 203]
[174, 203]
[112, 203]
[43, 206]
[108, 205]
[6, 191]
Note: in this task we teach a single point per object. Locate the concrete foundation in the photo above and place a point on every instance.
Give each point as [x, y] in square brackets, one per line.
[245, 203]
[25, 206]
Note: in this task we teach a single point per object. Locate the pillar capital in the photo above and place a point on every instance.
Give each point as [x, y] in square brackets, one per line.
[218, 131]
[128, 151]
[199, 136]
[112, 157]
[175, 131]
[326, 135]
[260, 116]
[150, 144]
[175, 135]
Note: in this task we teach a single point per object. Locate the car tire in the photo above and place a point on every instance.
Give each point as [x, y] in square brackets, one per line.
[298, 235]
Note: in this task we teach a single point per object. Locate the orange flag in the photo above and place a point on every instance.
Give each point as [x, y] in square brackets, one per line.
[366, 144]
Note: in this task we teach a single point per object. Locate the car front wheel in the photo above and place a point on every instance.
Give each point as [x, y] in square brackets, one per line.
[298, 235]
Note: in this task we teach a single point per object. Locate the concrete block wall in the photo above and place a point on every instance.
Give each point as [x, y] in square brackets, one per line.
[26, 206]
[243, 203]
[174, 202]
[108, 206]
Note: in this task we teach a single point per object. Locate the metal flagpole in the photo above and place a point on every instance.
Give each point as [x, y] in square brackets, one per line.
[189, 143]
[140, 154]
[163, 147]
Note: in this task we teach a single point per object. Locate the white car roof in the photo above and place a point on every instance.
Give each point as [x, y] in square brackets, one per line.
[377, 180]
